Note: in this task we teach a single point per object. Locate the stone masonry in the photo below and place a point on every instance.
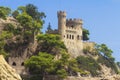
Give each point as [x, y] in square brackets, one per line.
[71, 33]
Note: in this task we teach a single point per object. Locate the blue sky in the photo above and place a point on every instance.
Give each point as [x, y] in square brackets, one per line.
[101, 17]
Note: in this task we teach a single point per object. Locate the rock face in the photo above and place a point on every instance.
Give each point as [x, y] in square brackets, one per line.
[6, 71]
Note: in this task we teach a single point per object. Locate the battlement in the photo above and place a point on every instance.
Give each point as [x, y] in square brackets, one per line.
[62, 13]
[79, 21]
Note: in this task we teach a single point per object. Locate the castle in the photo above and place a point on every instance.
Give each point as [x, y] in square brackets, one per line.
[70, 31]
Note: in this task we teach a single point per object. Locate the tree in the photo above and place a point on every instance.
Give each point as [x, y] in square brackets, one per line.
[104, 50]
[40, 64]
[2, 15]
[62, 73]
[50, 43]
[73, 67]
[49, 27]
[21, 9]
[89, 64]
[26, 23]
[15, 13]
[34, 13]
[9, 27]
[44, 63]
[30, 19]
[23, 32]
[105, 57]
[4, 12]
[25, 20]
[118, 64]
[3, 40]
[85, 34]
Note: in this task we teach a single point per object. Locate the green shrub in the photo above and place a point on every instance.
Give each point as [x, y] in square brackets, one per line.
[62, 73]
[89, 64]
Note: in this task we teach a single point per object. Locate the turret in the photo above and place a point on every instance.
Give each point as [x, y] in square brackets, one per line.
[74, 22]
[61, 23]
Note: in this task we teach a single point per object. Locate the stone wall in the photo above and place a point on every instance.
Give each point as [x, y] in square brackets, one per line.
[6, 71]
[91, 45]
[71, 33]
[18, 64]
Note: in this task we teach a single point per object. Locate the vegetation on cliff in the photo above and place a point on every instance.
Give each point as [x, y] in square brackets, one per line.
[4, 12]
[50, 56]
[85, 34]
[20, 35]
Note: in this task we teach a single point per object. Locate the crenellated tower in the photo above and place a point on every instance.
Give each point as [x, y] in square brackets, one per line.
[61, 23]
[71, 33]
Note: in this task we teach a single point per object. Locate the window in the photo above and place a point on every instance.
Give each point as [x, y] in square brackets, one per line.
[67, 36]
[72, 26]
[22, 64]
[78, 37]
[72, 36]
[14, 64]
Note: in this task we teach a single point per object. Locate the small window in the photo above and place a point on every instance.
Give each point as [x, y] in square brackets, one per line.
[22, 64]
[78, 37]
[72, 36]
[14, 64]
[72, 26]
[64, 36]
[67, 36]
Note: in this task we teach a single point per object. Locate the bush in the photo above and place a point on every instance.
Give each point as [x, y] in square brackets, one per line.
[62, 73]
[109, 63]
[89, 64]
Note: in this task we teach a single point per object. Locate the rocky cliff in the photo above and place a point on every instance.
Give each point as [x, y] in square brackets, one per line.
[6, 71]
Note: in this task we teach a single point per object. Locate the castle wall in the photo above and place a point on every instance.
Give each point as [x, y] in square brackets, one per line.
[18, 64]
[52, 32]
[71, 33]
[89, 45]
[73, 40]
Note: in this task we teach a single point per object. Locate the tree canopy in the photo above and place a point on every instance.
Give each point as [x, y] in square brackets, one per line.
[40, 64]
[85, 34]
[24, 30]
[50, 43]
[4, 12]
[34, 13]
[105, 51]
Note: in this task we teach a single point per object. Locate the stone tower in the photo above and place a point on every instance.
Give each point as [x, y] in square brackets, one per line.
[71, 33]
[61, 23]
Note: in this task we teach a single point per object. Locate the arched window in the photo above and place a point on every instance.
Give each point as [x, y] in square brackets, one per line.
[72, 26]
[64, 36]
[78, 37]
[22, 64]
[67, 36]
[72, 36]
[14, 64]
